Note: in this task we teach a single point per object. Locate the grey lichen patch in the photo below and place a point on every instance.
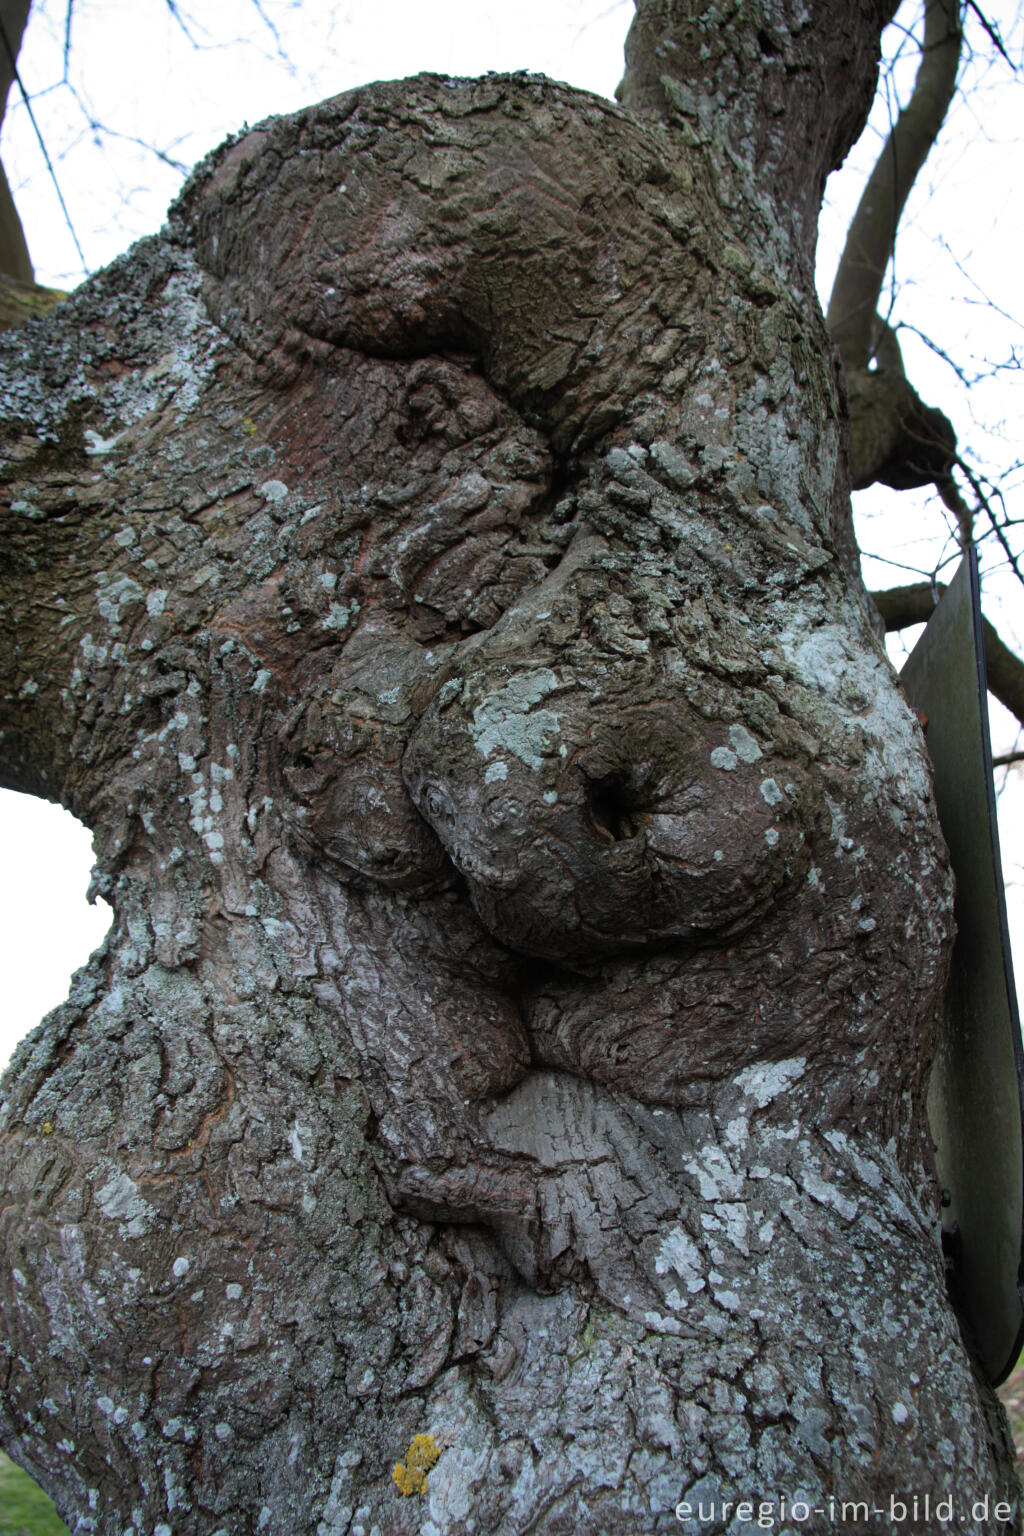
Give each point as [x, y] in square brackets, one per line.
[120, 1200]
[678, 1252]
[174, 348]
[743, 744]
[765, 1081]
[771, 792]
[674, 464]
[96, 445]
[115, 595]
[507, 719]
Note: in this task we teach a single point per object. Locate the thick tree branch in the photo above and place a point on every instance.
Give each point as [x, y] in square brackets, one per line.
[14, 257]
[901, 607]
[788, 88]
[871, 238]
[895, 438]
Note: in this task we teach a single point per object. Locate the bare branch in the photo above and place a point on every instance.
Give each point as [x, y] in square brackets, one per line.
[901, 607]
[11, 53]
[177, 16]
[983, 298]
[97, 127]
[993, 35]
[872, 233]
[67, 37]
[15, 261]
[997, 528]
[933, 346]
[271, 27]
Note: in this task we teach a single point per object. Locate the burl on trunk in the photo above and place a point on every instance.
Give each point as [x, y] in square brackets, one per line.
[428, 570]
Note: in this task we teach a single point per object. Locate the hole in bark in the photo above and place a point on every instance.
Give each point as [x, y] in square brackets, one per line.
[610, 810]
[768, 45]
[428, 627]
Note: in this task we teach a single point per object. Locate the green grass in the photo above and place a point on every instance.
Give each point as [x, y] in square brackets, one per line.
[24, 1509]
[1012, 1394]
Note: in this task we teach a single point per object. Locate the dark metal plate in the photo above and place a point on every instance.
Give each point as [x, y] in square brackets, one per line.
[975, 1096]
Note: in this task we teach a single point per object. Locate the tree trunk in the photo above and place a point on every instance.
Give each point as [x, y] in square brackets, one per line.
[15, 261]
[429, 572]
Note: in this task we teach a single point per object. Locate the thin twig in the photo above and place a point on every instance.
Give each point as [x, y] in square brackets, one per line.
[271, 28]
[95, 126]
[914, 570]
[994, 37]
[67, 38]
[176, 14]
[933, 346]
[983, 297]
[983, 501]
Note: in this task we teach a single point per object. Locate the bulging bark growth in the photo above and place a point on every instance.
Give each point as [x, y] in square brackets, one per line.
[430, 575]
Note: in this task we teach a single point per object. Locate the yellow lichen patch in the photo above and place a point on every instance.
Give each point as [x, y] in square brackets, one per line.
[410, 1476]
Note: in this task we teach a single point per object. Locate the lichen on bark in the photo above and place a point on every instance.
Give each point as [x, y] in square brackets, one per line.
[431, 577]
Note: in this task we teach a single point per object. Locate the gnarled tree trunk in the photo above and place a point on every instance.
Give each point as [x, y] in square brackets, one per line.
[429, 572]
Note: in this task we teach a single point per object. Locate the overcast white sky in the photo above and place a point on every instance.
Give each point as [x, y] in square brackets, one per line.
[137, 77]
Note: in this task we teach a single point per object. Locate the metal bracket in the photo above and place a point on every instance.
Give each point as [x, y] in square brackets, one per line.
[976, 1093]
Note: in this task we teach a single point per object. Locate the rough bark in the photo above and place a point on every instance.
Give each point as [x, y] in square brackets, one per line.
[786, 96]
[429, 573]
